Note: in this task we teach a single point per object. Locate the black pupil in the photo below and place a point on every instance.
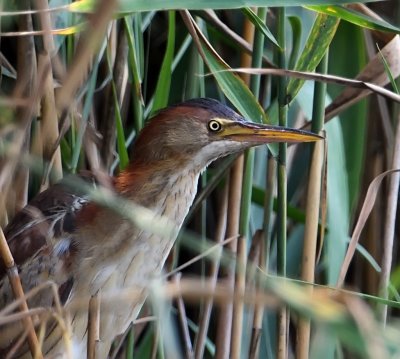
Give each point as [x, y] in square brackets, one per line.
[214, 126]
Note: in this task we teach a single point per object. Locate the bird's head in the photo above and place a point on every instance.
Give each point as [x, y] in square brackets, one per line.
[202, 130]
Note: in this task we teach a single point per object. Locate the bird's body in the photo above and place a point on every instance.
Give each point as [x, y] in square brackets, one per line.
[93, 249]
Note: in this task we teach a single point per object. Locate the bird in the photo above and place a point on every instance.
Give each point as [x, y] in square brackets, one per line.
[86, 248]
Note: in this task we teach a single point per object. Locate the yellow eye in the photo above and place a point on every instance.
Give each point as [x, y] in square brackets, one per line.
[214, 126]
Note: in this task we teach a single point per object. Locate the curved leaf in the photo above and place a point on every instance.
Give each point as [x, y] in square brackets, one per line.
[355, 17]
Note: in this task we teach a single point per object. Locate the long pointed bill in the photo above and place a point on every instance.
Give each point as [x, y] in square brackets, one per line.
[258, 133]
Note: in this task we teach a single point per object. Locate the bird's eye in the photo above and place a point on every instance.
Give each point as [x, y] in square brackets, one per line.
[214, 126]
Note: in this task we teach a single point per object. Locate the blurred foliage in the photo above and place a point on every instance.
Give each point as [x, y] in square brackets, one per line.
[146, 60]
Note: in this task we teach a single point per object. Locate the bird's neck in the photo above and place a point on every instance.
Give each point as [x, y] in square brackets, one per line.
[113, 245]
[167, 191]
[167, 188]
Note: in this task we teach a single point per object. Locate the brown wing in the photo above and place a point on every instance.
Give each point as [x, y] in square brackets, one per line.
[40, 237]
[41, 240]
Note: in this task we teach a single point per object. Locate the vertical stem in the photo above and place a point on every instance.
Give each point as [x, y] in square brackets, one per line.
[312, 209]
[16, 286]
[240, 289]
[49, 118]
[282, 182]
[183, 321]
[204, 319]
[245, 207]
[255, 80]
[256, 61]
[319, 97]
[390, 223]
[134, 65]
[230, 322]
[281, 245]
[93, 336]
[224, 328]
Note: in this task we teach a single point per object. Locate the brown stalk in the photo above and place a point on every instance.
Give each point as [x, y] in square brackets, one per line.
[183, 321]
[240, 288]
[310, 241]
[15, 282]
[224, 326]
[228, 312]
[223, 293]
[49, 116]
[331, 79]
[93, 326]
[365, 212]
[204, 317]
[34, 312]
[376, 164]
[90, 140]
[373, 72]
[259, 257]
[390, 223]
[16, 196]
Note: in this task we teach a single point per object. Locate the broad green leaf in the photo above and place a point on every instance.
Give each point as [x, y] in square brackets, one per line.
[320, 37]
[127, 6]
[356, 18]
[164, 80]
[338, 209]
[349, 40]
[295, 23]
[233, 86]
[259, 24]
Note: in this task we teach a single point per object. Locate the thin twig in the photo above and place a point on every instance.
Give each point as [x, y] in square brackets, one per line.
[183, 321]
[93, 336]
[204, 317]
[259, 243]
[16, 286]
[238, 308]
[224, 326]
[390, 223]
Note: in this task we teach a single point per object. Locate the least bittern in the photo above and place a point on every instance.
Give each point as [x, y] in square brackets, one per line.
[84, 247]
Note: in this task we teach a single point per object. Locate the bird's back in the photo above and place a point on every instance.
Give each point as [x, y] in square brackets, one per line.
[40, 238]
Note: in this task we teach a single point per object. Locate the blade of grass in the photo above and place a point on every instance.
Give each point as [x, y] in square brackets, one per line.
[282, 184]
[295, 24]
[127, 6]
[355, 17]
[122, 150]
[391, 211]
[365, 211]
[259, 23]
[161, 95]
[313, 207]
[321, 35]
[134, 66]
